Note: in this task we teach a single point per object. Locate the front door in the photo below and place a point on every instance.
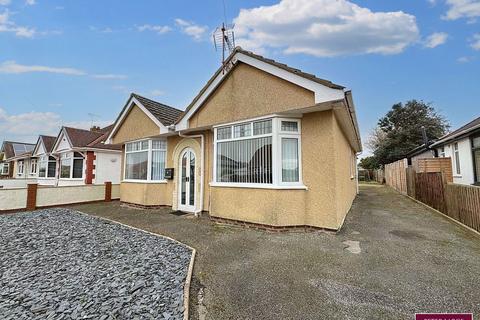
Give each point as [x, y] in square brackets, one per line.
[186, 190]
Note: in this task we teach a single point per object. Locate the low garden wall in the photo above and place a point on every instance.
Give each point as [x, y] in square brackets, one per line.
[15, 183]
[34, 196]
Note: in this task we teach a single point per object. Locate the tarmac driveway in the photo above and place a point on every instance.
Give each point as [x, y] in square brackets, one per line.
[392, 258]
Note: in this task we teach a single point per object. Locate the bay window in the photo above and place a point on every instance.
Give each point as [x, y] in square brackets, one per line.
[263, 153]
[47, 167]
[145, 160]
[71, 165]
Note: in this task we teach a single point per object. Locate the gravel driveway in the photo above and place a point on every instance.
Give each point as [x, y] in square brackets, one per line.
[61, 264]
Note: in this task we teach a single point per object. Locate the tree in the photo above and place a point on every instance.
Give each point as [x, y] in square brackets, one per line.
[400, 130]
[369, 163]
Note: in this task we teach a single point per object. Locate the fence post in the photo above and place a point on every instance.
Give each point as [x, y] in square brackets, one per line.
[31, 196]
[108, 191]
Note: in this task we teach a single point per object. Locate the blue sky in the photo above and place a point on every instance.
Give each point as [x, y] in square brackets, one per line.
[61, 60]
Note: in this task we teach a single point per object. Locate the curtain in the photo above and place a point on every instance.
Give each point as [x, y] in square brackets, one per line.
[245, 161]
[158, 165]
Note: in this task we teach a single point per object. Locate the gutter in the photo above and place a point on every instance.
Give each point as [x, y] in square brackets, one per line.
[202, 155]
[443, 141]
[353, 117]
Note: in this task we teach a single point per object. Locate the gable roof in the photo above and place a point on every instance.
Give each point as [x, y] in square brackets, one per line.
[8, 148]
[465, 129]
[165, 114]
[321, 87]
[161, 114]
[81, 138]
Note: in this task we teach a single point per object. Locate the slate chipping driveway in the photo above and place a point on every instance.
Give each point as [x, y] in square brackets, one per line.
[60, 264]
[392, 258]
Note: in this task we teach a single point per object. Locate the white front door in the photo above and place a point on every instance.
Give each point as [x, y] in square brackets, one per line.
[186, 190]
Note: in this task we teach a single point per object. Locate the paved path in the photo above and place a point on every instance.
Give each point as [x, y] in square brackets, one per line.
[60, 264]
[392, 258]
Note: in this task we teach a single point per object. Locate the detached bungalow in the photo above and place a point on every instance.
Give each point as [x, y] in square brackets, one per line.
[262, 143]
[18, 162]
[81, 157]
[463, 146]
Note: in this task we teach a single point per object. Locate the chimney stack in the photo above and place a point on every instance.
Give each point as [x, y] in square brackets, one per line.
[95, 129]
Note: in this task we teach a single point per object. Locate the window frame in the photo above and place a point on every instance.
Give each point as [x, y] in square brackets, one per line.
[45, 159]
[22, 162]
[71, 156]
[149, 161]
[277, 134]
[33, 164]
[7, 165]
[456, 156]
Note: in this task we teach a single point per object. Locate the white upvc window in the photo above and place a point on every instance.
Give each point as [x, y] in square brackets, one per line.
[33, 167]
[47, 167]
[442, 152]
[71, 165]
[145, 160]
[21, 167]
[263, 153]
[5, 168]
[456, 155]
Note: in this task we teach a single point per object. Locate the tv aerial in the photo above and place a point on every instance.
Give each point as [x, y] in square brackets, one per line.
[224, 38]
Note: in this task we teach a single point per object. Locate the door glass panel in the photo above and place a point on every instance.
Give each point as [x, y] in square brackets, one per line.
[184, 180]
[192, 179]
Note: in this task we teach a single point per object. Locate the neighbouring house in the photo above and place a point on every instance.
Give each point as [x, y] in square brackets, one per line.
[82, 157]
[18, 162]
[463, 147]
[424, 151]
[46, 160]
[261, 143]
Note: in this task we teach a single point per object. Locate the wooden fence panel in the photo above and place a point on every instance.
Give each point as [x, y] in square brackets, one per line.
[411, 182]
[396, 176]
[443, 165]
[463, 204]
[429, 189]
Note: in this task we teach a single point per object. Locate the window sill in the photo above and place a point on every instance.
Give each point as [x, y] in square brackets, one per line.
[71, 179]
[258, 186]
[457, 176]
[145, 181]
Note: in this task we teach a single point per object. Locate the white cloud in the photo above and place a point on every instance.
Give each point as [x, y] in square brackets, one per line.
[30, 2]
[27, 126]
[464, 59]
[195, 31]
[432, 2]
[475, 42]
[4, 2]
[12, 67]
[157, 93]
[9, 26]
[154, 28]
[462, 9]
[325, 28]
[110, 76]
[435, 39]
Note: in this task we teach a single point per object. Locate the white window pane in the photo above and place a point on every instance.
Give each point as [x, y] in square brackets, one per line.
[476, 142]
[290, 126]
[224, 133]
[159, 144]
[65, 168]
[242, 130]
[158, 165]
[262, 127]
[136, 165]
[290, 160]
[245, 161]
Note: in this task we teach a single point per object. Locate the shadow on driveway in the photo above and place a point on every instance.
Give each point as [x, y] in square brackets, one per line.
[392, 258]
